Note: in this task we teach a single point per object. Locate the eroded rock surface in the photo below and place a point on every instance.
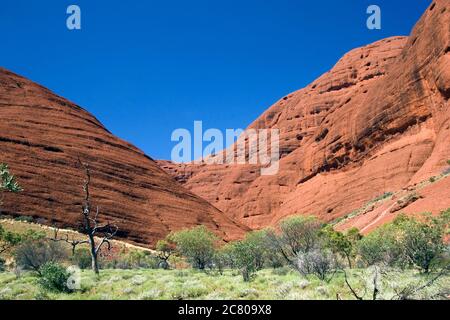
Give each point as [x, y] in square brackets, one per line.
[41, 138]
[377, 122]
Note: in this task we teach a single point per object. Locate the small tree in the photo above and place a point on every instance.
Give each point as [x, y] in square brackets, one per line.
[297, 235]
[54, 277]
[381, 247]
[32, 254]
[319, 262]
[165, 251]
[244, 259]
[249, 254]
[422, 241]
[8, 240]
[197, 245]
[343, 244]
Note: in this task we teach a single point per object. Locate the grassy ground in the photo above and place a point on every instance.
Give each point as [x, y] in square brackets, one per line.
[191, 284]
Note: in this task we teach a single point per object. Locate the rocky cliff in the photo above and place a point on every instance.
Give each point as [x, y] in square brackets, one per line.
[41, 138]
[378, 122]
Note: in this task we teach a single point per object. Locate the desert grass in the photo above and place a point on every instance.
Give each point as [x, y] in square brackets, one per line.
[269, 284]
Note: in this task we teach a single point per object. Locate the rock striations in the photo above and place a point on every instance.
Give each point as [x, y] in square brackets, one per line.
[41, 138]
[378, 122]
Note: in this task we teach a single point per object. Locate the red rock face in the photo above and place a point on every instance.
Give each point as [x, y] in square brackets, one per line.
[41, 137]
[377, 122]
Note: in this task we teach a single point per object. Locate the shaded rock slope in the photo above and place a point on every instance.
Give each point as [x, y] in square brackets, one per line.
[377, 122]
[41, 138]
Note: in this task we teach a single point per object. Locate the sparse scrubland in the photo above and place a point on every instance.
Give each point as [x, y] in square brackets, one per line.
[275, 284]
[300, 258]
[303, 259]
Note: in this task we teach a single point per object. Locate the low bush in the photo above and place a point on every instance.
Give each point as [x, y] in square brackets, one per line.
[297, 235]
[33, 254]
[319, 262]
[53, 277]
[82, 258]
[381, 247]
[422, 241]
[197, 245]
[134, 259]
[24, 219]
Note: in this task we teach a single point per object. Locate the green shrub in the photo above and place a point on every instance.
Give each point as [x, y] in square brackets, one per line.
[33, 254]
[422, 241]
[249, 255]
[319, 262]
[381, 246]
[165, 250]
[407, 241]
[82, 258]
[24, 219]
[8, 240]
[7, 180]
[223, 259]
[298, 234]
[53, 277]
[197, 245]
[244, 260]
[342, 244]
[135, 259]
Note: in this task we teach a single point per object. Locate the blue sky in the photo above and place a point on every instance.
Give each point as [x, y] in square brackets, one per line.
[145, 68]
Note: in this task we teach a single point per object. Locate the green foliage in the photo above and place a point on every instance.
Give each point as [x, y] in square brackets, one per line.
[33, 253]
[197, 245]
[340, 243]
[422, 241]
[319, 262]
[134, 259]
[24, 219]
[249, 254]
[82, 258]
[53, 277]
[382, 197]
[298, 234]
[8, 240]
[381, 246]
[407, 241]
[165, 250]
[7, 180]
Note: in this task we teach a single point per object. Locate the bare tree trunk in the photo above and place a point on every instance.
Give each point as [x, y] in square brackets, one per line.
[91, 225]
[94, 255]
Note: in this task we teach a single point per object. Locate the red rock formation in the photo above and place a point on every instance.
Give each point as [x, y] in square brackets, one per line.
[41, 137]
[377, 122]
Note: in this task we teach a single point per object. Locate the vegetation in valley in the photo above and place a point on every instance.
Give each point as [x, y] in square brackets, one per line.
[300, 258]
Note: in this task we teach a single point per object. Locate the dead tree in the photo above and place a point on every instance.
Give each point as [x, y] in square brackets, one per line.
[91, 226]
[72, 242]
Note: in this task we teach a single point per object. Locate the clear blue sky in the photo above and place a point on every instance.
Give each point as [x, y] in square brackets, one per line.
[145, 68]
